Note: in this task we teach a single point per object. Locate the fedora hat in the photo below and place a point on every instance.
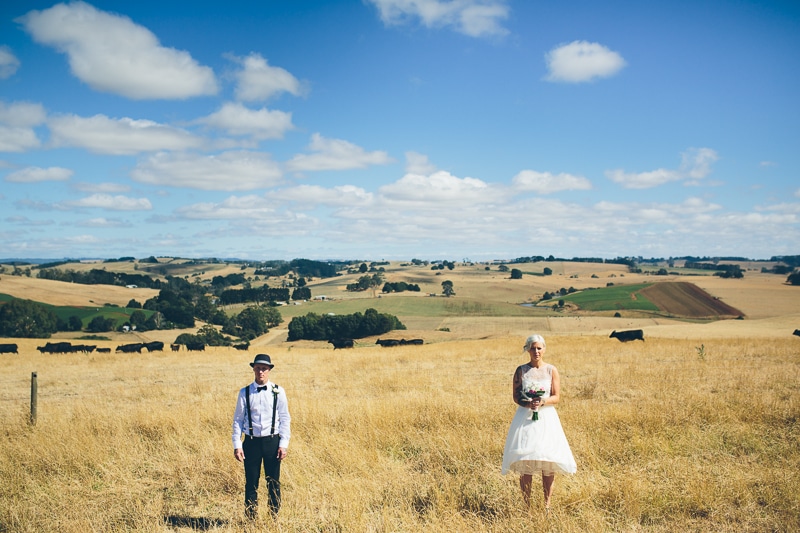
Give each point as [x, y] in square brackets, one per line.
[262, 359]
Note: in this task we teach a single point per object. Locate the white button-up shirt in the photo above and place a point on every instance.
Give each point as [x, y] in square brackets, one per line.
[261, 413]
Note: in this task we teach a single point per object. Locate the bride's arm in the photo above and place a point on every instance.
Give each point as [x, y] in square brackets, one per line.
[517, 392]
[555, 389]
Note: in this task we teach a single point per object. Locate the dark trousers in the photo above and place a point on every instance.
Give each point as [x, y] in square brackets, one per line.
[258, 450]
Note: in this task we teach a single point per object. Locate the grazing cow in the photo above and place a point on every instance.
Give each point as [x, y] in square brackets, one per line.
[154, 346]
[196, 346]
[796, 332]
[412, 341]
[175, 347]
[8, 348]
[630, 335]
[104, 350]
[55, 347]
[341, 343]
[243, 346]
[130, 348]
[83, 348]
[388, 343]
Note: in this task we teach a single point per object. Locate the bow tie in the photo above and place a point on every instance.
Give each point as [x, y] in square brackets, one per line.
[259, 389]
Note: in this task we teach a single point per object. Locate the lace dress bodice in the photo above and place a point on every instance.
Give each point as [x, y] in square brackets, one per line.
[537, 378]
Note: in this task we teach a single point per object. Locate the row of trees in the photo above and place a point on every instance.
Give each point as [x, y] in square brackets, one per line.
[99, 277]
[399, 286]
[355, 326]
[366, 282]
[258, 294]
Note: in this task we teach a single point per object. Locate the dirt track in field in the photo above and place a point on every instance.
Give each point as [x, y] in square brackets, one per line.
[688, 300]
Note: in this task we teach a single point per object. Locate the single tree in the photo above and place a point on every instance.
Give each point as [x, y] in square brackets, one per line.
[447, 288]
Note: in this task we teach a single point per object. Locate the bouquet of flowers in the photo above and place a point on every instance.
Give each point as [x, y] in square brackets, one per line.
[531, 394]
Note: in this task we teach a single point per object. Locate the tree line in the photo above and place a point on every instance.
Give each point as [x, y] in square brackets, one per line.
[354, 326]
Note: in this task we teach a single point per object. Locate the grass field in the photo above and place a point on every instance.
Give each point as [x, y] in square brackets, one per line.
[669, 435]
[695, 429]
[616, 298]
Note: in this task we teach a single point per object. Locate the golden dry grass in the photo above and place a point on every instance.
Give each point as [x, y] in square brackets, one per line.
[60, 293]
[668, 435]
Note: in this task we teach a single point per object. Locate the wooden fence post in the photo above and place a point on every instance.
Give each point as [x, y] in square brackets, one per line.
[34, 397]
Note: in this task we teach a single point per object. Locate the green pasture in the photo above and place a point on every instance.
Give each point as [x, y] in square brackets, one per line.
[615, 298]
[120, 315]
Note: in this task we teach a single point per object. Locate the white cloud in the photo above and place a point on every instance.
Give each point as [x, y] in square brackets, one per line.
[254, 214]
[440, 188]
[234, 207]
[312, 196]
[102, 222]
[417, 163]
[237, 119]
[581, 61]
[476, 18]
[113, 203]
[643, 180]
[37, 174]
[546, 183]
[124, 136]
[335, 154]
[696, 164]
[113, 54]
[229, 171]
[17, 121]
[258, 81]
[22, 114]
[8, 63]
[789, 208]
[107, 187]
[797, 193]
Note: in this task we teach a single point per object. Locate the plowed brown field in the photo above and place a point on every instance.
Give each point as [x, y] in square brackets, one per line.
[688, 300]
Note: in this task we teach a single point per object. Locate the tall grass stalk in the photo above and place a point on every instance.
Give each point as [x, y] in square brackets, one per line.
[408, 439]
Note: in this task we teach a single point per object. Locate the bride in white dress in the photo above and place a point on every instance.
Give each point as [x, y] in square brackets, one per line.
[536, 442]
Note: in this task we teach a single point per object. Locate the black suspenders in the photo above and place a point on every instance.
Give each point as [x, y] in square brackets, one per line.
[274, 407]
[249, 413]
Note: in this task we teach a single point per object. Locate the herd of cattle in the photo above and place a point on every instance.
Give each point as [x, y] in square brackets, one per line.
[157, 346]
[386, 343]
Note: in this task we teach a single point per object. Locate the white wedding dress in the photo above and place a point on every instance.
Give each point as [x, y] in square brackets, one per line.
[540, 445]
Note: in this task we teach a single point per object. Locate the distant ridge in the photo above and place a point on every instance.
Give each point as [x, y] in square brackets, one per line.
[39, 260]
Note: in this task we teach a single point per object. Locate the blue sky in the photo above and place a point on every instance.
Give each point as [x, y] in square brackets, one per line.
[398, 129]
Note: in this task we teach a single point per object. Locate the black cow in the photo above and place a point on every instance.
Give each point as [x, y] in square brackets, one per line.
[55, 347]
[8, 348]
[796, 332]
[196, 346]
[175, 347]
[630, 335]
[411, 341]
[154, 346]
[341, 343]
[104, 350]
[130, 348]
[243, 346]
[388, 343]
[83, 348]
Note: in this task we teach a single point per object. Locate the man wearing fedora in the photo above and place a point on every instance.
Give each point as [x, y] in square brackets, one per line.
[262, 417]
